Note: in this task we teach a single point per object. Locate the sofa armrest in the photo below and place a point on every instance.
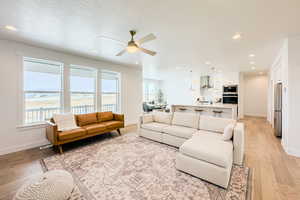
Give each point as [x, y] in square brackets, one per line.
[118, 117]
[143, 119]
[238, 144]
[51, 132]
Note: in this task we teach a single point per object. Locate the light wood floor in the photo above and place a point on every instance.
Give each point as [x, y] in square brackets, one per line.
[276, 175]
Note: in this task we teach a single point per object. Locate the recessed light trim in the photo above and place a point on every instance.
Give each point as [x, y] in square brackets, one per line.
[237, 36]
[11, 28]
[252, 55]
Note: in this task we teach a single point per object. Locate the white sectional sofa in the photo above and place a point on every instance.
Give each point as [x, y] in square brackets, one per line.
[203, 152]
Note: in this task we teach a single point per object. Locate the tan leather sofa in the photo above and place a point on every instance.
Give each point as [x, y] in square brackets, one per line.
[89, 125]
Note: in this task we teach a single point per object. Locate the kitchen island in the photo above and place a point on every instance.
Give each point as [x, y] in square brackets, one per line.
[217, 110]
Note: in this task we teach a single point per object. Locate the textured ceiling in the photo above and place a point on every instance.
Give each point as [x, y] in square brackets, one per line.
[188, 32]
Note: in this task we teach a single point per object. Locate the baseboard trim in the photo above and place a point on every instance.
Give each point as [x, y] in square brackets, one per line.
[256, 116]
[15, 148]
[130, 125]
[22, 147]
[291, 151]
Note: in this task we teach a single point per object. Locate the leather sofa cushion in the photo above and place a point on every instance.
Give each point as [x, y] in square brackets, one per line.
[154, 126]
[206, 148]
[113, 124]
[94, 128]
[70, 134]
[214, 123]
[85, 119]
[186, 119]
[105, 116]
[180, 131]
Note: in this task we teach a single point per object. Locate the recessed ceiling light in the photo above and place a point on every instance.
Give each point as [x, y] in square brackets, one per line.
[253, 68]
[251, 55]
[207, 62]
[252, 63]
[237, 36]
[137, 62]
[11, 28]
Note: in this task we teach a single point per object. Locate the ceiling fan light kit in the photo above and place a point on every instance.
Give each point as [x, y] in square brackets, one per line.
[134, 46]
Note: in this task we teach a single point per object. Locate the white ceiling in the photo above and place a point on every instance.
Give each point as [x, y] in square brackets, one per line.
[189, 32]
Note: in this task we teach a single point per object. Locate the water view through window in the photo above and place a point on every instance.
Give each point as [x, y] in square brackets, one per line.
[42, 90]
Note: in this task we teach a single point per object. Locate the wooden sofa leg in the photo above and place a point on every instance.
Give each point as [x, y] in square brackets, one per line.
[119, 131]
[60, 149]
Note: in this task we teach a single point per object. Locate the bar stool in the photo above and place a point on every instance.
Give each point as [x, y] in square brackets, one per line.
[217, 113]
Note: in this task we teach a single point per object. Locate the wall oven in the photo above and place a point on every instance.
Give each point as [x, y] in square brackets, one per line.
[230, 89]
[230, 98]
[230, 94]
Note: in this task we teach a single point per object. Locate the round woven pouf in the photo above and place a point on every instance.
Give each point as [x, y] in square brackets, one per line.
[52, 185]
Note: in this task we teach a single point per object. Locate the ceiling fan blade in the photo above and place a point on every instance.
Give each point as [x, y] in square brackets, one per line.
[152, 53]
[147, 38]
[121, 52]
[103, 37]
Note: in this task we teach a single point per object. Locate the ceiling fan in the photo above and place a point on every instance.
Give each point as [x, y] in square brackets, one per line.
[135, 46]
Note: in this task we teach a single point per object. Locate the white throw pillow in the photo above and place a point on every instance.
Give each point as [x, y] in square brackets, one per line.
[186, 119]
[65, 122]
[228, 132]
[162, 117]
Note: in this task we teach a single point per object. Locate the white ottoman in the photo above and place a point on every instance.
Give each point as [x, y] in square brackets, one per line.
[52, 185]
[207, 158]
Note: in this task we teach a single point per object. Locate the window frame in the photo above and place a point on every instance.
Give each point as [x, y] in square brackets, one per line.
[117, 76]
[146, 89]
[95, 85]
[65, 90]
[24, 92]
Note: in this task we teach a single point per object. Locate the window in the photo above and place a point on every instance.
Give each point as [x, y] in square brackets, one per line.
[110, 92]
[151, 90]
[83, 89]
[46, 94]
[42, 89]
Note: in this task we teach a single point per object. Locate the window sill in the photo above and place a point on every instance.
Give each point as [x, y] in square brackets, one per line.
[32, 126]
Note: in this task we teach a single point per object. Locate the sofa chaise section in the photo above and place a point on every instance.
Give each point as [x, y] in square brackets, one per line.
[202, 150]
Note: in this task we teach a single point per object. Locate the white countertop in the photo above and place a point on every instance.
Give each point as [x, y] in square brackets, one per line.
[217, 105]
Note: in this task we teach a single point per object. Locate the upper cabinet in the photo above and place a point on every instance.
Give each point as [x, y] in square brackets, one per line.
[230, 78]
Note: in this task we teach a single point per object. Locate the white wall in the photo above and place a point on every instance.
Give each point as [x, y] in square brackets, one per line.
[286, 69]
[13, 138]
[293, 140]
[177, 87]
[256, 95]
[241, 91]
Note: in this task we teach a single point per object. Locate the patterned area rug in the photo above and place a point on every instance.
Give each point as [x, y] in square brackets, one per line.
[134, 168]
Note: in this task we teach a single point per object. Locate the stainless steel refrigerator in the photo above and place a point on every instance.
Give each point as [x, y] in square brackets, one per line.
[278, 109]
